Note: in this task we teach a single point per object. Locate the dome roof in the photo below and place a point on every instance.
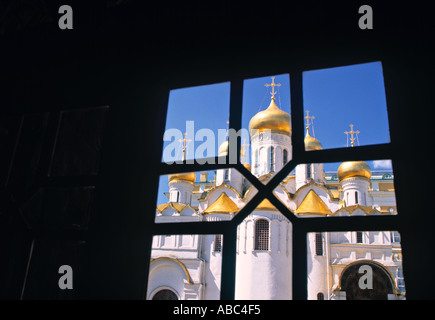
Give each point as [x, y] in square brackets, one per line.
[273, 118]
[187, 176]
[247, 166]
[350, 169]
[312, 143]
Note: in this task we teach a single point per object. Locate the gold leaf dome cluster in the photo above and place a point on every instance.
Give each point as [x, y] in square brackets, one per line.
[273, 118]
[187, 176]
[350, 169]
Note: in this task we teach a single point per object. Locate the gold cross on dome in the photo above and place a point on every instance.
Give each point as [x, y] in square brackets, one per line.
[273, 85]
[308, 118]
[351, 132]
[184, 141]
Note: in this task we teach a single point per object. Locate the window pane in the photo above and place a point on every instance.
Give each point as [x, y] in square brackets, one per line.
[348, 188]
[338, 97]
[202, 196]
[185, 267]
[266, 124]
[352, 270]
[196, 122]
[264, 255]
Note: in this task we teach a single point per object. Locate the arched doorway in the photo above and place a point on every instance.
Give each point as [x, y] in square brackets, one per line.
[383, 284]
[165, 294]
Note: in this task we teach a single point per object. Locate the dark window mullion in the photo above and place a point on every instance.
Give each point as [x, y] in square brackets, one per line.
[297, 114]
[299, 268]
[299, 243]
[228, 277]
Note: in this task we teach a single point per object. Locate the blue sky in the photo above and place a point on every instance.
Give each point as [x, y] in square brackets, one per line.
[336, 97]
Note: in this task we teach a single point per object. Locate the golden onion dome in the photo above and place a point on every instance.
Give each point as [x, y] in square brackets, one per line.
[350, 169]
[312, 143]
[187, 176]
[273, 118]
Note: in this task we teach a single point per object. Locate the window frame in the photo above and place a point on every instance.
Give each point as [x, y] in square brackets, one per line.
[301, 227]
[359, 237]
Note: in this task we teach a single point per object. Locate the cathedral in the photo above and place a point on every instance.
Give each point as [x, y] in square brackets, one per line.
[189, 266]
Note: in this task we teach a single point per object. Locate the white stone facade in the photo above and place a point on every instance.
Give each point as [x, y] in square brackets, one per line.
[189, 266]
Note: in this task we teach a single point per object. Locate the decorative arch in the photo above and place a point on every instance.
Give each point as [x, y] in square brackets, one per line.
[383, 281]
[174, 262]
[164, 293]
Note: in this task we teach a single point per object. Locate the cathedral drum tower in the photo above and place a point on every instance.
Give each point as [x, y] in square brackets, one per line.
[264, 254]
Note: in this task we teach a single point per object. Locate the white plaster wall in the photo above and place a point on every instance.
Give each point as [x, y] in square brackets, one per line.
[235, 178]
[213, 268]
[184, 188]
[352, 185]
[264, 275]
[262, 142]
[317, 174]
[183, 246]
[166, 276]
[317, 268]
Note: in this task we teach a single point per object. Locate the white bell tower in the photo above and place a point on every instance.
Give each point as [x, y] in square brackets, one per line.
[264, 247]
[270, 134]
[354, 177]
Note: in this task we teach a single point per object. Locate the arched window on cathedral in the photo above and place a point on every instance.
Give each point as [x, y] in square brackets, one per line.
[270, 159]
[356, 197]
[217, 243]
[165, 294]
[256, 162]
[284, 157]
[226, 175]
[320, 296]
[308, 171]
[319, 244]
[261, 240]
[178, 196]
[359, 237]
